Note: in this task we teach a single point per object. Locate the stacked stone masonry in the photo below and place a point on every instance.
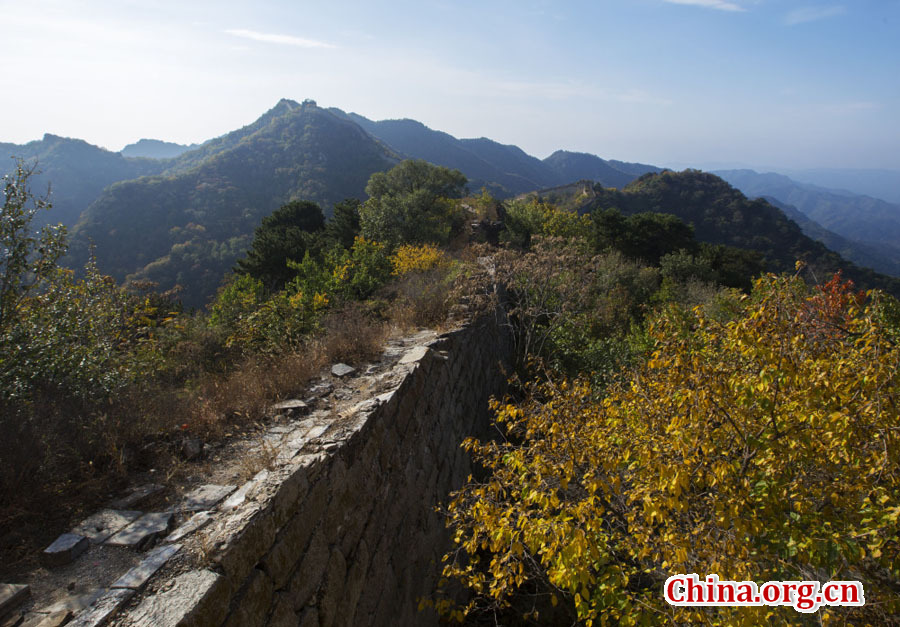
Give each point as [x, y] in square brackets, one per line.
[349, 534]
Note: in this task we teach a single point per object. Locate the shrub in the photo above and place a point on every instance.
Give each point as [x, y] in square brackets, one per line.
[408, 258]
[763, 447]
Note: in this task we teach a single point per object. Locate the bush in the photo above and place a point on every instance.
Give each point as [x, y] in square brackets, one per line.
[763, 447]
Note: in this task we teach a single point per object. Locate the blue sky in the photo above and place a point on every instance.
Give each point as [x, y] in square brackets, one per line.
[778, 83]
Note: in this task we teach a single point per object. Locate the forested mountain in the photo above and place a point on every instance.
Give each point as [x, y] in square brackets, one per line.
[76, 171]
[414, 139]
[155, 149]
[720, 214]
[189, 225]
[504, 169]
[860, 218]
[879, 257]
[574, 166]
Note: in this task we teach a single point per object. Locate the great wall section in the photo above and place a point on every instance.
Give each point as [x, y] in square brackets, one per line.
[342, 528]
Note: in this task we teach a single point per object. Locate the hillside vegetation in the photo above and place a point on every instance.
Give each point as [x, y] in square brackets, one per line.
[77, 170]
[720, 214]
[674, 408]
[188, 226]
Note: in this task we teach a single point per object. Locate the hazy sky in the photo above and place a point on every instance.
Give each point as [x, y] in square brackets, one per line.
[764, 82]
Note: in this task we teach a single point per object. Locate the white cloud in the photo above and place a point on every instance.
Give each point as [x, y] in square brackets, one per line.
[811, 14]
[272, 38]
[721, 5]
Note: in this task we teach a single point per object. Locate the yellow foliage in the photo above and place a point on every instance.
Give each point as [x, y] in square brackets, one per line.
[763, 448]
[417, 258]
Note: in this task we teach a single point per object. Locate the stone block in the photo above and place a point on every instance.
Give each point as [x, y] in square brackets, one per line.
[198, 598]
[288, 549]
[137, 496]
[309, 618]
[308, 576]
[283, 614]
[357, 567]
[101, 611]
[144, 531]
[414, 355]
[253, 603]
[293, 408]
[64, 549]
[244, 492]
[194, 523]
[342, 370]
[140, 574]
[205, 497]
[74, 604]
[290, 495]
[333, 593]
[12, 595]
[248, 537]
[106, 522]
[55, 619]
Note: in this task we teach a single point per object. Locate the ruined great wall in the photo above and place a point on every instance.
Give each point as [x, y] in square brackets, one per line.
[342, 528]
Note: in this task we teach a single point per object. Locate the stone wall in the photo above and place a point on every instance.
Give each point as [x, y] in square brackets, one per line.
[348, 534]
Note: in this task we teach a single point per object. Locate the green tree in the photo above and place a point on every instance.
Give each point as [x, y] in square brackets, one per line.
[412, 203]
[286, 235]
[343, 227]
[28, 257]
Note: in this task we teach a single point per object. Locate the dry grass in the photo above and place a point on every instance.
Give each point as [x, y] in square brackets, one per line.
[64, 455]
[421, 299]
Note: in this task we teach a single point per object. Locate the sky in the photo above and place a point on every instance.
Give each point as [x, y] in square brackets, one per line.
[776, 83]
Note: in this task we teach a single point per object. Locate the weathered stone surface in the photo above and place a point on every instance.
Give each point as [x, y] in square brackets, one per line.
[194, 523]
[65, 548]
[74, 604]
[106, 522]
[316, 431]
[137, 496]
[143, 531]
[244, 492]
[320, 390]
[342, 529]
[309, 574]
[199, 598]
[309, 618]
[283, 612]
[205, 497]
[293, 407]
[56, 619]
[140, 574]
[414, 355]
[247, 535]
[12, 595]
[101, 610]
[342, 370]
[252, 606]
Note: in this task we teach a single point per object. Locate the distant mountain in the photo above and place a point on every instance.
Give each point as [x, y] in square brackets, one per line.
[415, 140]
[878, 183]
[863, 219]
[720, 214]
[880, 257]
[155, 149]
[505, 170]
[574, 166]
[189, 225]
[75, 170]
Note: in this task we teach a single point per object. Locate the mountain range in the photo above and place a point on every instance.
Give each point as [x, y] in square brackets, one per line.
[181, 215]
[864, 229]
